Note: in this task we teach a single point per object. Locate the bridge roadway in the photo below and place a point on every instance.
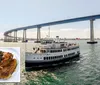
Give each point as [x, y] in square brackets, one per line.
[38, 26]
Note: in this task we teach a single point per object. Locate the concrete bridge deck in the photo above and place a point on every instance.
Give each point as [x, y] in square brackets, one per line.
[38, 26]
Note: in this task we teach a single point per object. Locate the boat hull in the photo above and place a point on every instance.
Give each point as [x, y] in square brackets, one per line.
[50, 63]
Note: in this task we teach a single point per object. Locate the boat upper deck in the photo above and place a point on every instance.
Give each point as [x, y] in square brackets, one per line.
[51, 46]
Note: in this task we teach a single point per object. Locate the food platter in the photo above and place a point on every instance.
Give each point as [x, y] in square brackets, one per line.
[15, 77]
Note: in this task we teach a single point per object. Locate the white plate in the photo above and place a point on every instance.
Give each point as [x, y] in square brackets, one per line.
[16, 54]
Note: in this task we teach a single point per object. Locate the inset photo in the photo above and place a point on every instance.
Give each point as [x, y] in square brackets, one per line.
[9, 64]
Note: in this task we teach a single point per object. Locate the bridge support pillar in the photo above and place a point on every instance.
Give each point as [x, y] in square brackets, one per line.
[38, 34]
[15, 36]
[91, 33]
[24, 35]
[10, 38]
[5, 38]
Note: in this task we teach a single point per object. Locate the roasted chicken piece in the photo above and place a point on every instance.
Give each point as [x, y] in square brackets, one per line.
[1, 54]
[7, 65]
[6, 59]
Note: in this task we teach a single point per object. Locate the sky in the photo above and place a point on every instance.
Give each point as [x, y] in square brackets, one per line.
[20, 13]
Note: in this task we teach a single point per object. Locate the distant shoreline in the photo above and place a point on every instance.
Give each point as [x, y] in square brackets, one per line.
[30, 39]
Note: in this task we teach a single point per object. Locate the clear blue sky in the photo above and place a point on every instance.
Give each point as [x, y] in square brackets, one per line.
[17, 13]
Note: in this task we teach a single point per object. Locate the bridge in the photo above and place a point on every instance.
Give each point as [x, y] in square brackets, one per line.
[14, 38]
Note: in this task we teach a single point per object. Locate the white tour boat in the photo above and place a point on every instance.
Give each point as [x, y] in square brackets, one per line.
[49, 52]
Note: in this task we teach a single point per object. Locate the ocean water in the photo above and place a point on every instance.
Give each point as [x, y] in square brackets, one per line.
[84, 70]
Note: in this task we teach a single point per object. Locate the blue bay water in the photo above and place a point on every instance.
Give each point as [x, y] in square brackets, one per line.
[82, 71]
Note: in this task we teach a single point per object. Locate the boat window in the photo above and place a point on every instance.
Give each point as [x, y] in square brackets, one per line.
[64, 49]
[49, 58]
[71, 53]
[69, 49]
[52, 51]
[65, 55]
[59, 50]
[54, 57]
[43, 51]
[62, 45]
[33, 48]
[78, 52]
[45, 58]
[48, 50]
[59, 56]
[69, 44]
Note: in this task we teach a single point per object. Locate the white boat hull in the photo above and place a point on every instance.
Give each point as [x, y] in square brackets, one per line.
[40, 60]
